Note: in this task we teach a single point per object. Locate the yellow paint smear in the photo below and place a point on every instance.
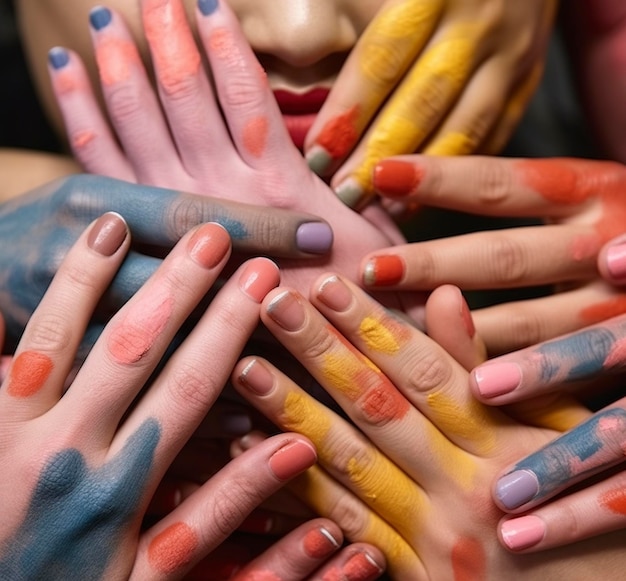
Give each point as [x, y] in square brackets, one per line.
[341, 371]
[378, 337]
[306, 416]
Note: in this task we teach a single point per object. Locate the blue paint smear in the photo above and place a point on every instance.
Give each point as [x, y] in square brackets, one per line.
[589, 349]
[552, 463]
[78, 516]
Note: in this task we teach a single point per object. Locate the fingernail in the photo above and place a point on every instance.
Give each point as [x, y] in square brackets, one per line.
[292, 459]
[207, 7]
[522, 533]
[383, 271]
[314, 237]
[208, 245]
[517, 488]
[396, 178]
[616, 261]
[352, 194]
[108, 234]
[258, 278]
[495, 379]
[361, 567]
[319, 543]
[334, 293]
[319, 160]
[287, 311]
[257, 378]
[100, 17]
[58, 57]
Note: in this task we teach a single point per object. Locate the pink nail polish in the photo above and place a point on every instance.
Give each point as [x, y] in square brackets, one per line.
[292, 459]
[616, 261]
[257, 378]
[287, 311]
[494, 379]
[334, 293]
[522, 533]
[258, 278]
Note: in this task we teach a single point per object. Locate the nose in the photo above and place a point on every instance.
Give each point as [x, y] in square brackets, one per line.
[297, 32]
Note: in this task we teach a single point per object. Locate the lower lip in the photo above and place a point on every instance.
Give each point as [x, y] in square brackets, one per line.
[298, 126]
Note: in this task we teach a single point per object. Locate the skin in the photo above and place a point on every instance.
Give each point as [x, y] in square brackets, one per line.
[581, 200]
[448, 522]
[88, 462]
[158, 218]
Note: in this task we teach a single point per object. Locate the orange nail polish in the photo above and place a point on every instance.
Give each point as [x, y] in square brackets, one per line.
[208, 245]
[395, 178]
[383, 271]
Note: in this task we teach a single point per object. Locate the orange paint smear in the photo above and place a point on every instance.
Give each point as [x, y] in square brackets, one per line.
[339, 135]
[468, 560]
[614, 500]
[604, 310]
[172, 548]
[116, 59]
[255, 135]
[67, 82]
[29, 373]
[385, 402]
[617, 355]
[82, 139]
[222, 43]
[174, 51]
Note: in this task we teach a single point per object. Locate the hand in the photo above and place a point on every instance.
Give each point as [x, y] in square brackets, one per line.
[229, 142]
[88, 459]
[583, 204]
[41, 226]
[415, 473]
[446, 77]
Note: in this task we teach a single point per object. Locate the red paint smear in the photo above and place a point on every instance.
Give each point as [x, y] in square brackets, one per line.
[29, 373]
[66, 82]
[573, 181]
[468, 560]
[174, 51]
[255, 135]
[384, 402]
[339, 134]
[222, 43]
[317, 545]
[617, 355]
[115, 58]
[614, 500]
[604, 310]
[172, 548]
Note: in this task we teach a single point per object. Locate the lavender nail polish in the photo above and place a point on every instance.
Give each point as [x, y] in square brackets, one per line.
[100, 17]
[314, 237]
[517, 488]
[58, 57]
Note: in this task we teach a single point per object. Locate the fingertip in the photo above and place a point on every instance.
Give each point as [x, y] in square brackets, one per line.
[612, 261]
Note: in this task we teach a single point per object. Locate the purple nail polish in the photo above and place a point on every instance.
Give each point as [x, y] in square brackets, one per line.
[58, 57]
[517, 488]
[314, 237]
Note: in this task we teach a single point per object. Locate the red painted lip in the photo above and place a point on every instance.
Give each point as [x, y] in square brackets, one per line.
[301, 103]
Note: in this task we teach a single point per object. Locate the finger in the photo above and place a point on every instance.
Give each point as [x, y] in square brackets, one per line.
[590, 448]
[591, 512]
[342, 451]
[132, 105]
[185, 93]
[449, 323]
[190, 382]
[612, 261]
[206, 518]
[134, 341]
[88, 132]
[46, 352]
[356, 562]
[552, 365]
[379, 60]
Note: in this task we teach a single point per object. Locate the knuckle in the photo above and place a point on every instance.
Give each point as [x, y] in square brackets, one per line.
[527, 328]
[386, 53]
[507, 260]
[349, 514]
[347, 452]
[229, 506]
[319, 343]
[51, 333]
[496, 182]
[124, 104]
[186, 213]
[427, 372]
[242, 93]
[189, 389]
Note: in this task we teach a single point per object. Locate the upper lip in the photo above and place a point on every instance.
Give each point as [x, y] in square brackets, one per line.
[301, 103]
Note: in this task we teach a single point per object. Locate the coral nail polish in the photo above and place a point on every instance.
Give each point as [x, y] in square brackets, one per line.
[396, 178]
[383, 271]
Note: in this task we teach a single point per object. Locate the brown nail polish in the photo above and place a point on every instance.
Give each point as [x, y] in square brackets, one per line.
[108, 234]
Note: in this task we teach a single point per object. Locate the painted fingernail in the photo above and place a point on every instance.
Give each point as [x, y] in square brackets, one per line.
[352, 194]
[523, 533]
[287, 311]
[257, 378]
[396, 178]
[319, 160]
[108, 234]
[314, 237]
[320, 543]
[334, 293]
[495, 379]
[100, 17]
[207, 7]
[292, 459]
[383, 271]
[58, 57]
[258, 278]
[616, 261]
[517, 488]
[208, 245]
[361, 567]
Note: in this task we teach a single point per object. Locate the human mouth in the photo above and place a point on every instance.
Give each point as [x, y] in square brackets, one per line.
[299, 111]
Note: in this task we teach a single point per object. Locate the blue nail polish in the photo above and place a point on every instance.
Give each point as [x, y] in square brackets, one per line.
[58, 57]
[100, 17]
[207, 7]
